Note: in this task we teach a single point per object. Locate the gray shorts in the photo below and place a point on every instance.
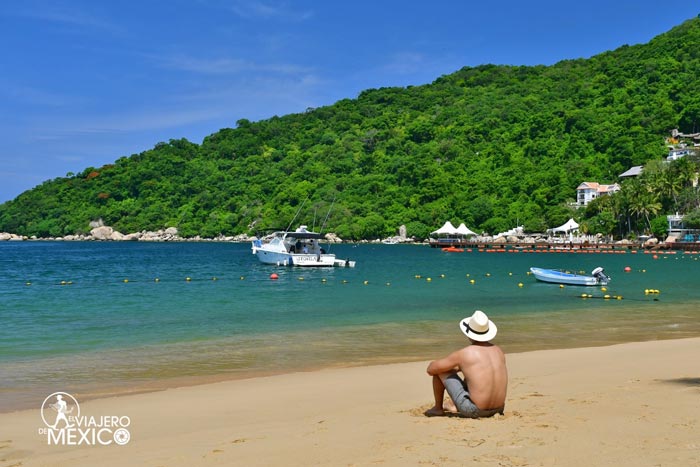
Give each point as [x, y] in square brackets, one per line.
[459, 393]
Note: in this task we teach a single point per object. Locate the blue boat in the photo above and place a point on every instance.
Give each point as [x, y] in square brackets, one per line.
[556, 276]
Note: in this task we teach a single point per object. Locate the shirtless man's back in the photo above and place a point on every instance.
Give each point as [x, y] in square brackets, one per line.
[482, 393]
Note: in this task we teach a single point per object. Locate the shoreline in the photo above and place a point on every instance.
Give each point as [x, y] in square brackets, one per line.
[26, 399]
[488, 245]
[625, 404]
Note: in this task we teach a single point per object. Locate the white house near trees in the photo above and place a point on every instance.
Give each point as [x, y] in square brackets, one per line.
[588, 191]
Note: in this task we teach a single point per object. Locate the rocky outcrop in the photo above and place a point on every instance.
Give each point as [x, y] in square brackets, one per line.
[651, 242]
[8, 237]
[333, 238]
[102, 233]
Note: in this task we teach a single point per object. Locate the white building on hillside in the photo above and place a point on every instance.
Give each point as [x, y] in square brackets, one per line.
[588, 191]
[678, 153]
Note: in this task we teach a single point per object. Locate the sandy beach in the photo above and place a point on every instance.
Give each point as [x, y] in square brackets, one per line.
[633, 404]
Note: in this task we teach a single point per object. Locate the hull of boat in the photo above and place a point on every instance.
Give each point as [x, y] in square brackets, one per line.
[294, 259]
[560, 277]
[302, 260]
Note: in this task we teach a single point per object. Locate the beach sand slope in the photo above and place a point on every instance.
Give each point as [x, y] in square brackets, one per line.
[634, 404]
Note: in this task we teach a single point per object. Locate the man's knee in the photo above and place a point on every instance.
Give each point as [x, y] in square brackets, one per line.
[444, 376]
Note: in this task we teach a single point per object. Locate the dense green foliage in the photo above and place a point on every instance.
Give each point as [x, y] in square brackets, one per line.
[643, 202]
[491, 146]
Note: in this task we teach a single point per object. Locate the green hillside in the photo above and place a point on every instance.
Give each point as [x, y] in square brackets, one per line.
[490, 146]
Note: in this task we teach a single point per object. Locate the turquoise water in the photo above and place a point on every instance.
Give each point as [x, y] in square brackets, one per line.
[102, 318]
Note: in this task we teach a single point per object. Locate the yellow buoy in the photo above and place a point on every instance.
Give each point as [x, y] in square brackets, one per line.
[520, 284]
[301, 278]
[606, 296]
[442, 276]
[188, 279]
[604, 289]
[213, 278]
[126, 280]
[488, 274]
[388, 283]
[28, 283]
[366, 282]
[583, 295]
[242, 277]
[472, 281]
[510, 273]
[561, 286]
[157, 280]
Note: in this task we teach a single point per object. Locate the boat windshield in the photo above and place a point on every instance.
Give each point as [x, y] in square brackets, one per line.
[302, 245]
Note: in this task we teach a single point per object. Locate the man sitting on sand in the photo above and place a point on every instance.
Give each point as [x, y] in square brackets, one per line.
[482, 393]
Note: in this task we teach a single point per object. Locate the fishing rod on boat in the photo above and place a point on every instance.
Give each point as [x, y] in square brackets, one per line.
[328, 214]
[297, 214]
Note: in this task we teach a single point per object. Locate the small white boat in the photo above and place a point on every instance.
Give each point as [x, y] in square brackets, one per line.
[298, 248]
[555, 276]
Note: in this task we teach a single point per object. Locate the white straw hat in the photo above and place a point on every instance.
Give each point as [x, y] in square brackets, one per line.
[478, 327]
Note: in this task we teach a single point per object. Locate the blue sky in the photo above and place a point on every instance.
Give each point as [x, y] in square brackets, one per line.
[84, 82]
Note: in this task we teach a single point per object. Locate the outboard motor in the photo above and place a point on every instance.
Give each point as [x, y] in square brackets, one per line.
[599, 273]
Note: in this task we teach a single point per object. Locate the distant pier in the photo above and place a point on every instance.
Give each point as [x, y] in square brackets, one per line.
[544, 246]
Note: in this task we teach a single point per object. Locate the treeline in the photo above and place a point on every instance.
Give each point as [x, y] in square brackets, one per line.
[491, 146]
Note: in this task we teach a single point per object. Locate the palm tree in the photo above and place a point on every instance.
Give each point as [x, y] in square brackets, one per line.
[645, 204]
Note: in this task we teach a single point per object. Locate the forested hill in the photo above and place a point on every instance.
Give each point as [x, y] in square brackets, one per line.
[490, 146]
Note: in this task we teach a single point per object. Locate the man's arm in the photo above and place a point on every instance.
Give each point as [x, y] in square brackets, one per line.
[444, 365]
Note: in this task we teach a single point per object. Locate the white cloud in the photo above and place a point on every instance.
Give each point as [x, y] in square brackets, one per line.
[62, 15]
[123, 123]
[227, 65]
[33, 96]
[269, 10]
[405, 63]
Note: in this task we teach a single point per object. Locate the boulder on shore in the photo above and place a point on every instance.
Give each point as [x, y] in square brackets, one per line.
[102, 233]
[333, 238]
[651, 242]
[8, 237]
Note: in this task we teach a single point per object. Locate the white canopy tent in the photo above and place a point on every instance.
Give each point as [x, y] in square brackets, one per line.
[446, 229]
[464, 230]
[568, 227]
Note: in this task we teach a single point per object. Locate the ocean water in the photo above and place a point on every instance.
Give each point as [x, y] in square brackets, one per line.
[106, 318]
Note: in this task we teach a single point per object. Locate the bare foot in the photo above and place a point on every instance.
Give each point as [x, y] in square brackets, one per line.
[450, 407]
[434, 412]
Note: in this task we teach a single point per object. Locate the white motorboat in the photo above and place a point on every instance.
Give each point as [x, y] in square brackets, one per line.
[298, 248]
[555, 276]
